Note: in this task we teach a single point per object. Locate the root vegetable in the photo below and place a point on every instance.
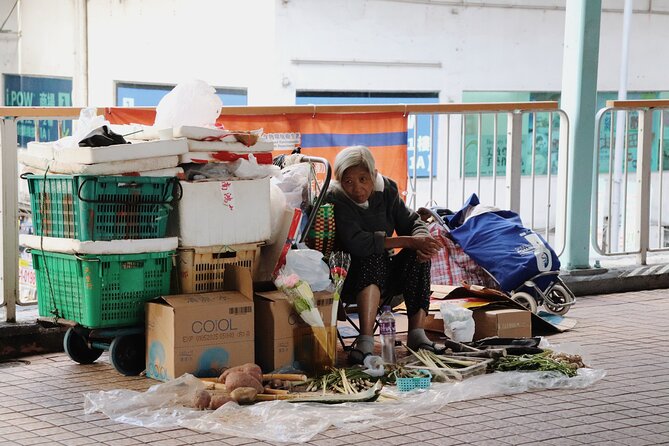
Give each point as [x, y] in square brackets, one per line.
[234, 380]
[244, 395]
[218, 400]
[250, 368]
[202, 400]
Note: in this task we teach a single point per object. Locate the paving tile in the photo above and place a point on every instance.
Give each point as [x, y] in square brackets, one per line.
[41, 403]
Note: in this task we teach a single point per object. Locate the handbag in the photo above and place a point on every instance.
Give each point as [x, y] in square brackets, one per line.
[321, 233]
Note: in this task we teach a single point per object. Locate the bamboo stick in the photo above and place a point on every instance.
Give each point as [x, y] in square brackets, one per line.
[266, 397]
[214, 386]
[284, 377]
[275, 391]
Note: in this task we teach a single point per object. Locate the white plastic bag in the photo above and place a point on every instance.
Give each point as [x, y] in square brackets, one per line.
[294, 183]
[309, 265]
[189, 103]
[250, 169]
[458, 322]
[88, 122]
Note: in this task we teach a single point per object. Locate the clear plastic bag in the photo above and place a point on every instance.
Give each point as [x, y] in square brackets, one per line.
[458, 322]
[308, 264]
[163, 406]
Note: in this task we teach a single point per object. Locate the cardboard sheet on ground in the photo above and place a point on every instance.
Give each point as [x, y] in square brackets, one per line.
[474, 296]
[164, 406]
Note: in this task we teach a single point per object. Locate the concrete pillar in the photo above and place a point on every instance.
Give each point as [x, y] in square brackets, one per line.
[579, 100]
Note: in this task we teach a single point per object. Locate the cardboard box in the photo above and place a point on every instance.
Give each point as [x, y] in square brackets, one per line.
[222, 213]
[506, 323]
[280, 330]
[201, 333]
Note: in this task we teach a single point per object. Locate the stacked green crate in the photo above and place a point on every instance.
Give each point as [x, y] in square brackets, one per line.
[107, 290]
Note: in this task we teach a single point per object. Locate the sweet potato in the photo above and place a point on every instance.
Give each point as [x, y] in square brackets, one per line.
[244, 395]
[234, 380]
[250, 368]
[201, 400]
[219, 399]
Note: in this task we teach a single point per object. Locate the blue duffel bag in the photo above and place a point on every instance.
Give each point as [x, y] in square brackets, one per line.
[498, 242]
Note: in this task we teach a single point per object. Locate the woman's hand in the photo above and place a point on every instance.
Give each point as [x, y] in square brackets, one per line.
[425, 247]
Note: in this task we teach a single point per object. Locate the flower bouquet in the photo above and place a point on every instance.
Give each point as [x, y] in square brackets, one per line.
[339, 263]
[301, 296]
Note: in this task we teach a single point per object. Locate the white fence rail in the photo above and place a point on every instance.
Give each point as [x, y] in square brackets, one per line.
[629, 212]
[507, 153]
[509, 159]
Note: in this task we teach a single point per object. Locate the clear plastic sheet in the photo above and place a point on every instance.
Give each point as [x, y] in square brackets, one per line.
[163, 406]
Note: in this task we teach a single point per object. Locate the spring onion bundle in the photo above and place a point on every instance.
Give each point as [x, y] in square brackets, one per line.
[539, 362]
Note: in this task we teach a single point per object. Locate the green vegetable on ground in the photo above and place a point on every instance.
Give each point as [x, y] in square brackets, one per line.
[539, 362]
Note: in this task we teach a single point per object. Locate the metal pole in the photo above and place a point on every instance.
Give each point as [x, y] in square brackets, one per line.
[644, 148]
[620, 134]
[431, 165]
[514, 132]
[9, 230]
[80, 79]
[579, 99]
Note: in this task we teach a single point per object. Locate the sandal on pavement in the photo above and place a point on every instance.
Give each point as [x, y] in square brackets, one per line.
[356, 356]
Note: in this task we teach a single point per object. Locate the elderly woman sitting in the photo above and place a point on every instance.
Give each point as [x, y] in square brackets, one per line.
[368, 214]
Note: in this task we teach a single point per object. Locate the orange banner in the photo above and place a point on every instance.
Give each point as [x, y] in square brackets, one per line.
[323, 134]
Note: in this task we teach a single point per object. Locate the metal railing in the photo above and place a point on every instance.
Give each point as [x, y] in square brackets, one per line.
[512, 159]
[462, 129]
[630, 189]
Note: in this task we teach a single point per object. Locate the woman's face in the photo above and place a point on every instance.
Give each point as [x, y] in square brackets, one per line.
[358, 183]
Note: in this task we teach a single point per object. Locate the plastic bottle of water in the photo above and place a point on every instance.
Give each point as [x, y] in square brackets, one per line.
[387, 328]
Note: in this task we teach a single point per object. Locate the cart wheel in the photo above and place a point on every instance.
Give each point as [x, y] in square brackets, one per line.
[560, 300]
[77, 348]
[526, 300]
[127, 354]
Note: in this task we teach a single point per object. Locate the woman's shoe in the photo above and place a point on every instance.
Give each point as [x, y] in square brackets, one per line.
[356, 356]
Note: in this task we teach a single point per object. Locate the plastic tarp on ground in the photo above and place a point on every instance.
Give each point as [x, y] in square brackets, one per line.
[163, 405]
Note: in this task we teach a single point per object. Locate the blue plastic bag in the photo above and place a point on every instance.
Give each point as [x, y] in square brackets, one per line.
[499, 242]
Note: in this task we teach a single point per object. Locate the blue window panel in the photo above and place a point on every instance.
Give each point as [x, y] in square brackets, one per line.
[141, 95]
[369, 140]
[38, 91]
[421, 122]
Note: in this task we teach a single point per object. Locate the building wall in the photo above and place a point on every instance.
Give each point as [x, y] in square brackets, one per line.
[274, 48]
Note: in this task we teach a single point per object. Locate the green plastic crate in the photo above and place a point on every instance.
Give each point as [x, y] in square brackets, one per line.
[87, 207]
[100, 291]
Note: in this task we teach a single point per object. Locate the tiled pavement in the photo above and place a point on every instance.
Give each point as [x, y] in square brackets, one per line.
[625, 334]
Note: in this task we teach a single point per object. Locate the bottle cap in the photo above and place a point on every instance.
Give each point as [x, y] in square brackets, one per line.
[385, 308]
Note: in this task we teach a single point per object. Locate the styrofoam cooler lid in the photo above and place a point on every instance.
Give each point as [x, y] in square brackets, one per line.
[223, 146]
[117, 152]
[73, 246]
[200, 133]
[110, 168]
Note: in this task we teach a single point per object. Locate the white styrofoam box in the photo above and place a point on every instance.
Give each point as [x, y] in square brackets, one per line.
[199, 133]
[118, 152]
[171, 172]
[111, 168]
[222, 213]
[223, 146]
[73, 246]
[136, 131]
[203, 157]
[198, 157]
